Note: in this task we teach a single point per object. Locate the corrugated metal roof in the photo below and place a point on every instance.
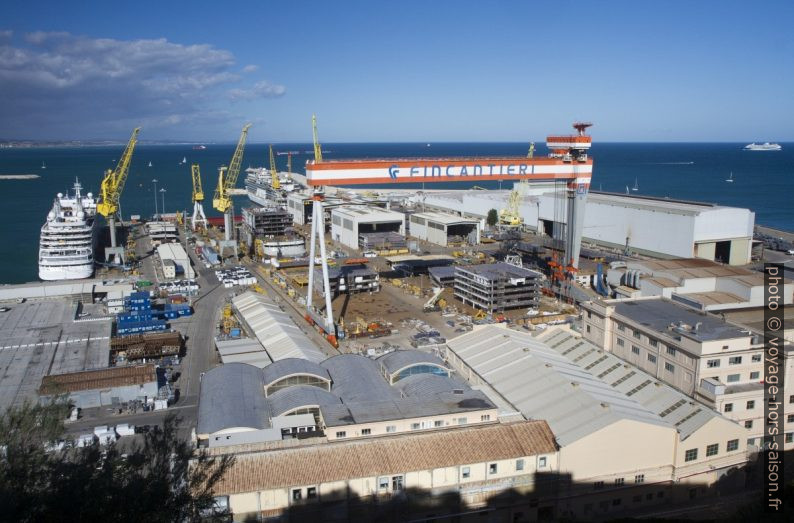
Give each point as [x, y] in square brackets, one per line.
[676, 408]
[275, 329]
[298, 396]
[232, 396]
[446, 219]
[358, 378]
[424, 384]
[338, 461]
[98, 379]
[400, 359]
[290, 366]
[238, 346]
[544, 384]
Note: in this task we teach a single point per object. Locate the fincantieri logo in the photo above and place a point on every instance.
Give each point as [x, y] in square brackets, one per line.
[431, 171]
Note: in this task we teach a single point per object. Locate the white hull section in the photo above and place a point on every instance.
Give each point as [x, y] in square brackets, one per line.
[69, 272]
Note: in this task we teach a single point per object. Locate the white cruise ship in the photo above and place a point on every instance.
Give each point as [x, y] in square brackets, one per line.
[68, 237]
[766, 146]
[258, 183]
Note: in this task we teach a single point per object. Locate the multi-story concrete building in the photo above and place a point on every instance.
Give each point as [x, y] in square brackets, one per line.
[703, 356]
[496, 286]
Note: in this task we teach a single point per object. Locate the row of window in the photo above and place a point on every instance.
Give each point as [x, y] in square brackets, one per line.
[620, 482]
[733, 360]
[416, 426]
[711, 450]
[750, 405]
[604, 505]
[493, 468]
[735, 378]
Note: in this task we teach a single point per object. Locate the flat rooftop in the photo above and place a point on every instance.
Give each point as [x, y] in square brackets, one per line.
[660, 314]
[40, 337]
[362, 213]
[493, 271]
[446, 219]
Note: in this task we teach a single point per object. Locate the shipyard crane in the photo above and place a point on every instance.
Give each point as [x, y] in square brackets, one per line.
[273, 172]
[531, 153]
[110, 194]
[318, 152]
[199, 219]
[511, 215]
[227, 179]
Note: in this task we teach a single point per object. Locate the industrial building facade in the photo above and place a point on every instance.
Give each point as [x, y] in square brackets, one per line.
[348, 223]
[181, 262]
[445, 229]
[703, 356]
[496, 286]
[103, 387]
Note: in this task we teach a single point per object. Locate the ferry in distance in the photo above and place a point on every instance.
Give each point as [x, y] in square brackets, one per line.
[766, 146]
[199, 147]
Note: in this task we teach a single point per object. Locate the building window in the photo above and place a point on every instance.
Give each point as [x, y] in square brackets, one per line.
[391, 428]
[790, 418]
[639, 478]
[465, 472]
[397, 483]
[637, 334]
[651, 358]
[649, 496]
[341, 434]
[671, 351]
[735, 360]
[366, 432]
[724, 347]
[712, 450]
[485, 417]
[311, 493]
[462, 421]
[748, 424]
[438, 423]
[589, 315]
[733, 378]
[637, 499]
[587, 329]
[713, 364]
[756, 358]
[750, 404]
[728, 407]
[542, 462]
[691, 455]
[519, 464]
[492, 468]
[791, 399]
[635, 349]
[732, 445]
[616, 502]
[296, 494]
[621, 328]
[598, 485]
[750, 441]
[755, 375]
[789, 437]
[415, 426]
[669, 367]
[619, 482]
[620, 342]
[653, 342]
[383, 483]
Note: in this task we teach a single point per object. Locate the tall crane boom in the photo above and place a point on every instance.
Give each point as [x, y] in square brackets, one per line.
[227, 178]
[273, 172]
[113, 182]
[318, 152]
[198, 218]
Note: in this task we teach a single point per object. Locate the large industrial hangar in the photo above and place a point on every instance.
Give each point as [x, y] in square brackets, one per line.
[347, 223]
[443, 228]
[658, 227]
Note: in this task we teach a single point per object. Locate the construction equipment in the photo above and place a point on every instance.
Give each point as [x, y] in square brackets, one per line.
[479, 315]
[531, 153]
[432, 304]
[511, 215]
[199, 219]
[110, 194]
[318, 151]
[273, 172]
[227, 179]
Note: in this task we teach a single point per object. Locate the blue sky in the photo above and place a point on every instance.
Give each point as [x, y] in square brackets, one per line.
[397, 71]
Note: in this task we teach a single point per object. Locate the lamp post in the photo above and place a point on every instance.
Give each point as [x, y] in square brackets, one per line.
[162, 191]
[154, 181]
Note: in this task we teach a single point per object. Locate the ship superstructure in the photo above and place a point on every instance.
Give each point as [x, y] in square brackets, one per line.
[68, 237]
[766, 146]
[259, 184]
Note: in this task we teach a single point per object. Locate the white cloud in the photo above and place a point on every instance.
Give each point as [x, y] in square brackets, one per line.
[250, 68]
[263, 89]
[59, 85]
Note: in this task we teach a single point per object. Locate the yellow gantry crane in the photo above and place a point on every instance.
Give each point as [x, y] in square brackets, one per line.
[511, 215]
[318, 152]
[199, 219]
[531, 152]
[273, 172]
[227, 179]
[110, 194]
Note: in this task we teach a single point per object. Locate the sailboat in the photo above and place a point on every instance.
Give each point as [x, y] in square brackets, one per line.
[150, 164]
[636, 187]
[184, 159]
[730, 178]
[627, 190]
[43, 166]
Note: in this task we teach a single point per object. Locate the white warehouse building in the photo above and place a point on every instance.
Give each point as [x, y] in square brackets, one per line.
[348, 222]
[444, 228]
[658, 227]
[177, 255]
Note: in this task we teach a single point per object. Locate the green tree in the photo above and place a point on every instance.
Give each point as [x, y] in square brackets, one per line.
[158, 478]
[492, 218]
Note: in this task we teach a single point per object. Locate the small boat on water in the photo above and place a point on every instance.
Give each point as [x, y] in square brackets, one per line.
[150, 164]
[636, 187]
[184, 159]
[43, 166]
[627, 190]
[729, 179]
